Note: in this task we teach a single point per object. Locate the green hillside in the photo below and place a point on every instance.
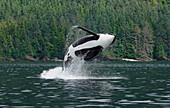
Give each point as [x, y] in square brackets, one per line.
[39, 27]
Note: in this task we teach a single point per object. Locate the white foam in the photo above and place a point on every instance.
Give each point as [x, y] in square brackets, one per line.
[51, 74]
[60, 74]
[76, 70]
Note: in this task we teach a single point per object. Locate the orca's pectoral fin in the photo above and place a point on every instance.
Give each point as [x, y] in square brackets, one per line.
[93, 53]
[87, 31]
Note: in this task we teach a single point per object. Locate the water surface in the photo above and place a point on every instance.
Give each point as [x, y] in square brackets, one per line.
[105, 84]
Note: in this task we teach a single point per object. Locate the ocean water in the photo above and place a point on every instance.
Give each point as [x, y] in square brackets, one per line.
[94, 84]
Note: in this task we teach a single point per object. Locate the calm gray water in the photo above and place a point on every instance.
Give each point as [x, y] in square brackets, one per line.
[109, 84]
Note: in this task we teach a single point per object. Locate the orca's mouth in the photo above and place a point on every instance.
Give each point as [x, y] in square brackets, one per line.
[113, 40]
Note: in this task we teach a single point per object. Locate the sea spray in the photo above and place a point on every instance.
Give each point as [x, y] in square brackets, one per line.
[77, 70]
[73, 35]
[51, 74]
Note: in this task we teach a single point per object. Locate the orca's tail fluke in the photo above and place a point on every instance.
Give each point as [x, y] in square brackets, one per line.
[90, 32]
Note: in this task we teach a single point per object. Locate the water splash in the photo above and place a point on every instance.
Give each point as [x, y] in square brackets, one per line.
[77, 70]
[51, 74]
[69, 36]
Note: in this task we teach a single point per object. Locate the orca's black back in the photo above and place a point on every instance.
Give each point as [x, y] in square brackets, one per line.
[85, 39]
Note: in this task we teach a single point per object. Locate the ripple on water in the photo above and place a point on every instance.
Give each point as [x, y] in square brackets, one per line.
[162, 100]
[39, 95]
[164, 104]
[26, 91]
[125, 101]
[95, 105]
[15, 101]
[2, 94]
[99, 100]
[54, 96]
[14, 93]
[49, 88]
[130, 96]
[3, 106]
[156, 95]
[23, 107]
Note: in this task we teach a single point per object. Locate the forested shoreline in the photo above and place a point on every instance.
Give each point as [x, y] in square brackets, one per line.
[38, 28]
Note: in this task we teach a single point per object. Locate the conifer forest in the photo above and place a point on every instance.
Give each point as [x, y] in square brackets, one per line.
[38, 28]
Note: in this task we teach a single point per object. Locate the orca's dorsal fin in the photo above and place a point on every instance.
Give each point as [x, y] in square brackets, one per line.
[88, 31]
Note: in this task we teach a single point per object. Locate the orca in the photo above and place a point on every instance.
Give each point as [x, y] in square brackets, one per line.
[87, 47]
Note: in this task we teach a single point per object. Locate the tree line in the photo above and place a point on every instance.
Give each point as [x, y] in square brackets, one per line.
[39, 27]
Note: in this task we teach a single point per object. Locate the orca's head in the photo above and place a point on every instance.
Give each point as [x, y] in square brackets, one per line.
[106, 39]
